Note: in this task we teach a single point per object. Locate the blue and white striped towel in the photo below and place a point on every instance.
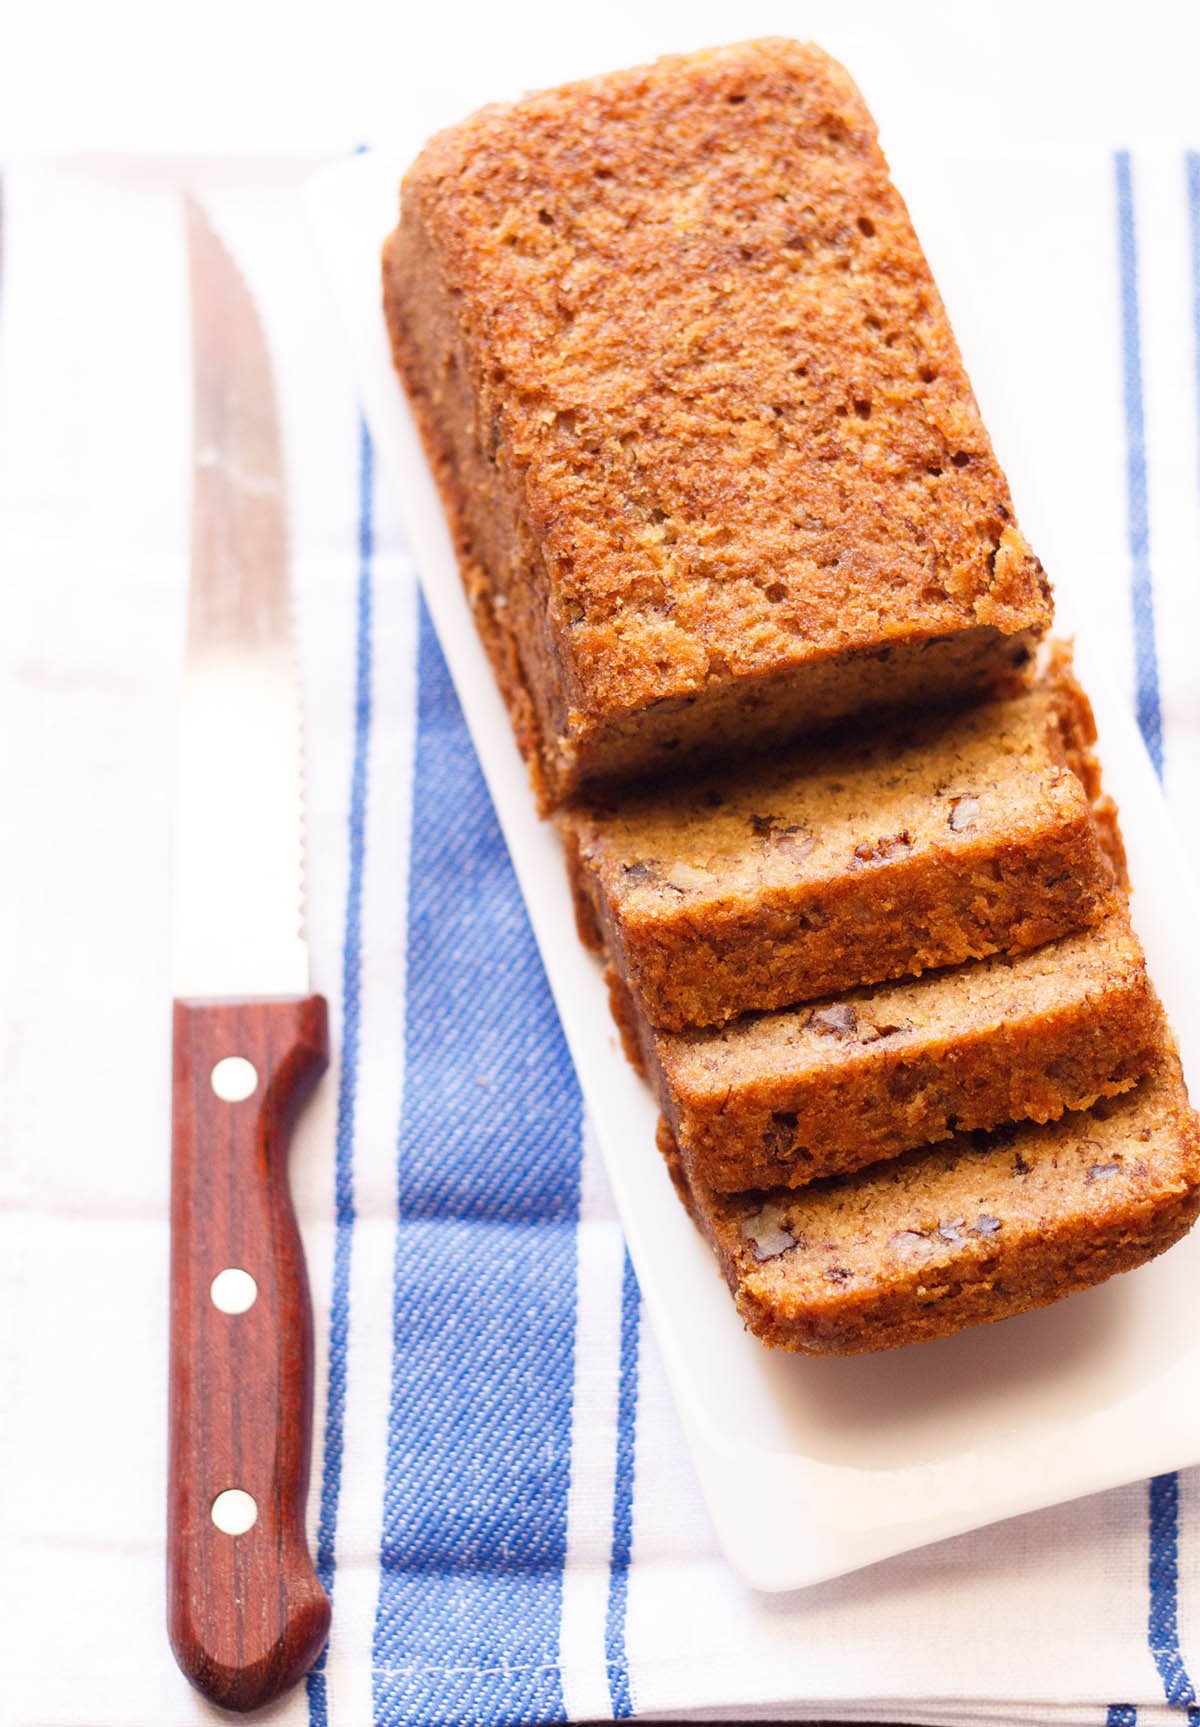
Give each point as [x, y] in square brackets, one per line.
[501, 1504]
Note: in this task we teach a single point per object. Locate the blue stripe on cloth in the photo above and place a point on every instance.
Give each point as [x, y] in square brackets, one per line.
[1121, 1715]
[616, 1656]
[1163, 1491]
[479, 1430]
[1164, 1591]
[1149, 708]
[339, 1314]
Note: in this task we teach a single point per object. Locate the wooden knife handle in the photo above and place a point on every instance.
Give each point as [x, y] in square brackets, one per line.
[246, 1614]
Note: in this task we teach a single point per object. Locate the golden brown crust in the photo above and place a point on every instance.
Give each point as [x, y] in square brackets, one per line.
[457, 469]
[976, 1230]
[637, 1038]
[654, 326]
[785, 1098]
[838, 865]
[1077, 724]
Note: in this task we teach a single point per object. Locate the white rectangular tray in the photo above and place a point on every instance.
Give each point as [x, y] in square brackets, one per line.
[814, 1468]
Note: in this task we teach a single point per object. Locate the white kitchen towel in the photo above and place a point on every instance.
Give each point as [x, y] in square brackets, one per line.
[501, 1504]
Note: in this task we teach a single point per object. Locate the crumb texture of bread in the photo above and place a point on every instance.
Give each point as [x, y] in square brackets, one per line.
[975, 1230]
[713, 466]
[837, 865]
[786, 1098]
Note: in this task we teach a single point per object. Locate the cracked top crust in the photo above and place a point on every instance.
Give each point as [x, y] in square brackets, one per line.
[717, 377]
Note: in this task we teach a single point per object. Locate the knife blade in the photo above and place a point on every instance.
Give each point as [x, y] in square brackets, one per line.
[246, 1613]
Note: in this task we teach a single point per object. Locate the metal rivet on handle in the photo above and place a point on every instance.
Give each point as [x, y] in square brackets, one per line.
[234, 1511]
[233, 1290]
[234, 1079]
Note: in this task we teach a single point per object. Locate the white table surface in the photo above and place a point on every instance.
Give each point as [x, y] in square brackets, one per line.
[262, 75]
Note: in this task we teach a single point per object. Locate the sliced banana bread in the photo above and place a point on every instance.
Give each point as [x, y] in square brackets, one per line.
[835, 865]
[779, 1099]
[713, 467]
[974, 1230]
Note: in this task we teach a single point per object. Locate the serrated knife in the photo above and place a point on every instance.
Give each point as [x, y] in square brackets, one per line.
[246, 1613]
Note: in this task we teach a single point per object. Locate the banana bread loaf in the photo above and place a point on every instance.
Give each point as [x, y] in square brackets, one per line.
[974, 1230]
[837, 865]
[780, 1099]
[713, 468]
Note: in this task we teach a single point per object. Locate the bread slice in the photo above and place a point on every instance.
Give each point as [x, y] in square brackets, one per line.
[713, 467]
[780, 1099]
[836, 865]
[961, 1234]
